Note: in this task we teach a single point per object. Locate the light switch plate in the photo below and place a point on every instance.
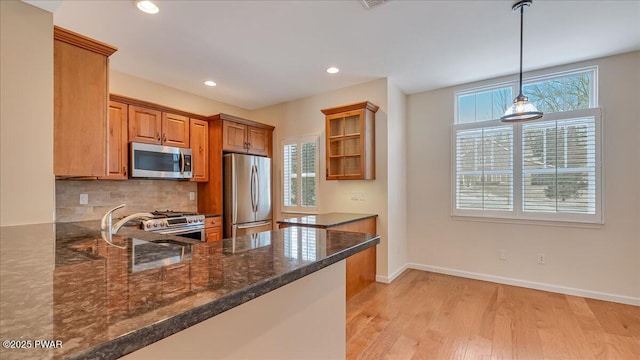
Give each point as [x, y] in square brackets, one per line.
[192, 195]
[84, 199]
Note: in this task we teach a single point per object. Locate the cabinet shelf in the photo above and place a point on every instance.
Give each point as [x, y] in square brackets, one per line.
[350, 142]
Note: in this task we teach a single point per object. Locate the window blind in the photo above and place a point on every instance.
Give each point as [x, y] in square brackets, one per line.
[559, 166]
[290, 162]
[484, 168]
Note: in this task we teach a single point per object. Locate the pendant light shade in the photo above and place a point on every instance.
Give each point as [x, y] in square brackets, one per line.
[521, 109]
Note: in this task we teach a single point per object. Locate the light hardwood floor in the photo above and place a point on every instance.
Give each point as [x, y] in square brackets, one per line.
[423, 315]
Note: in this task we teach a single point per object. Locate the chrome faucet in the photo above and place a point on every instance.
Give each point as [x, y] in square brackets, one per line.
[108, 228]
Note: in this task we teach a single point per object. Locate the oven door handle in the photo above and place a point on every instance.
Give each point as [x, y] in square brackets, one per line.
[179, 231]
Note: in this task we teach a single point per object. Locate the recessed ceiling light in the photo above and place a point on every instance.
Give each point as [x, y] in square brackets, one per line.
[147, 6]
[210, 83]
[333, 70]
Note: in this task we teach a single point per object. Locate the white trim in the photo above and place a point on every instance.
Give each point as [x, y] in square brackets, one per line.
[389, 279]
[622, 299]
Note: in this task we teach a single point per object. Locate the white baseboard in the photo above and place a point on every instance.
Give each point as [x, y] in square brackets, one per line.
[521, 283]
[389, 279]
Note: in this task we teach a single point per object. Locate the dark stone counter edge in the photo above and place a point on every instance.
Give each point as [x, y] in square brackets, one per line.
[329, 226]
[148, 335]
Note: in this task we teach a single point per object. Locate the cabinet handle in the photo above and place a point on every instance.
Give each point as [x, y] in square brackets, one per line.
[165, 138]
[200, 148]
[124, 170]
[158, 136]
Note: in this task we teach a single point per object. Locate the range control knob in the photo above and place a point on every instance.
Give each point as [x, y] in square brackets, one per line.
[155, 225]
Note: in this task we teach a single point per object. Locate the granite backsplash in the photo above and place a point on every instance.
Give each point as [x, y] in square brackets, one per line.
[138, 195]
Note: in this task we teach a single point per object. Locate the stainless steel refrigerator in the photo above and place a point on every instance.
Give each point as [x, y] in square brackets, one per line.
[246, 194]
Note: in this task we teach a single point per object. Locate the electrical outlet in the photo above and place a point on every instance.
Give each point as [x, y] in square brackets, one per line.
[84, 199]
[192, 195]
[502, 254]
[542, 259]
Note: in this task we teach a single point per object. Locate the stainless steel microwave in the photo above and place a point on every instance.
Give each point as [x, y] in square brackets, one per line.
[160, 162]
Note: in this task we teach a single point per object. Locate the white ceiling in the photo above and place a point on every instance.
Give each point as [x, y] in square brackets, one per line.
[266, 52]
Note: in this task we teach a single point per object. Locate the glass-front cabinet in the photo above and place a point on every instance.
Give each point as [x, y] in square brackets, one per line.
[351, 142]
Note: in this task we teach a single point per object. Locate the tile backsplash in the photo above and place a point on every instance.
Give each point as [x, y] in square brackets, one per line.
[139, 195]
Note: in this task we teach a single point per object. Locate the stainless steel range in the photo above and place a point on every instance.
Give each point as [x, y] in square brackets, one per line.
[185, 224]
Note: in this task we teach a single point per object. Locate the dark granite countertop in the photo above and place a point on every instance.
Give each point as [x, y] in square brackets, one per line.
[63, 282]
[325, 221]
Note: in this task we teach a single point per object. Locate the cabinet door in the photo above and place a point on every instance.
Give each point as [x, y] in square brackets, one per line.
[259, 141]
[350, 146]
[117, 140]
[214, 234]
[199, 132]
[144, 125]
[175, 130]
[80, 111]
[213, 228]
[234, 136]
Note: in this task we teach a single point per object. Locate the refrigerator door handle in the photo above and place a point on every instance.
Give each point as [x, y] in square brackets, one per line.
[257, 188]
[254, 188]
[254, 224]
[234, 192]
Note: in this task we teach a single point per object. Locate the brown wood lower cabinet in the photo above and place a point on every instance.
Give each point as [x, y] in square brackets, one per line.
[361, 267]
[213, 228]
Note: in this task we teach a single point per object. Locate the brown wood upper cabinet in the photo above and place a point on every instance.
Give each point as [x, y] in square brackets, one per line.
[117, 141]
[156, 127]
[351, 142]
[80, 79]
[175, 130]
[245, 136]
[199, 133]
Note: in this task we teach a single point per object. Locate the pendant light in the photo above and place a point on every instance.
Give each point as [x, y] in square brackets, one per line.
[521, 109]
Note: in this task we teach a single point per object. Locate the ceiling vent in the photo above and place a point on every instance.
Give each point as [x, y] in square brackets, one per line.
[368, 4]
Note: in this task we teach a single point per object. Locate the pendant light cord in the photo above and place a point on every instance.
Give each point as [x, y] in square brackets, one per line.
[521, 38]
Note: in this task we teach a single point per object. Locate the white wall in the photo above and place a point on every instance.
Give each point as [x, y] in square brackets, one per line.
[303, 117]
[26, 115]
[600, 262]
[141, 89]
[397, 180]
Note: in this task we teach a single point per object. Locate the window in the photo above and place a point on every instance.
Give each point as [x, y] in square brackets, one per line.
[300, 169]
[548, 169]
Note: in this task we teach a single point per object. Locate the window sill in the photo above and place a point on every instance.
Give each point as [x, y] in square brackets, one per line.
[572, 224]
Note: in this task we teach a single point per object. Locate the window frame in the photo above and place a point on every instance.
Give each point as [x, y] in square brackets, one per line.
[299, 209]
[518, 214]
